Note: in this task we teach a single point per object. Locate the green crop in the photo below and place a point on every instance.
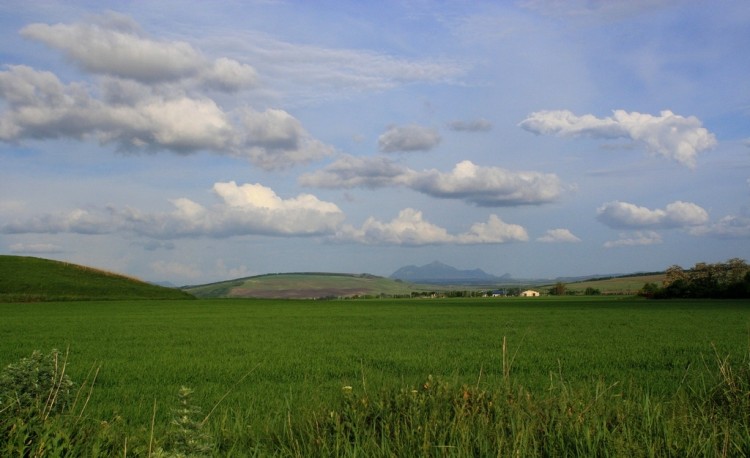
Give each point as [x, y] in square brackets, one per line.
[271, 372]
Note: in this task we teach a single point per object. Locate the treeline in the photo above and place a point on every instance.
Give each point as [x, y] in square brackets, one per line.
[727, 280]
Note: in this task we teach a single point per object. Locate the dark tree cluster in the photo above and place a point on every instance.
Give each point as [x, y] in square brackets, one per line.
[730, 280]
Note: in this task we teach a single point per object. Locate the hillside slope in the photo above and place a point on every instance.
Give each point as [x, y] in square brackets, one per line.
[24, 279]
[623, 284]
[305, 286]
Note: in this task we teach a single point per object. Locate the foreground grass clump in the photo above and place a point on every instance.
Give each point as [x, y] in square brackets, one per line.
[436, 418]
[441, 419]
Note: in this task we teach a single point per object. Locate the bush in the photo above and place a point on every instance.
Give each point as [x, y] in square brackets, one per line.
[35, 387]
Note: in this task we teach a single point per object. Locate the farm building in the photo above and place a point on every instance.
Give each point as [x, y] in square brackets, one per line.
[530, 293]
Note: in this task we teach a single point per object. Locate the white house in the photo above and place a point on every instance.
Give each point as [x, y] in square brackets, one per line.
[530, 293]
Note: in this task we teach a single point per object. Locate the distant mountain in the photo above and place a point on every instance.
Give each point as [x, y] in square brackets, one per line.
[438, 273]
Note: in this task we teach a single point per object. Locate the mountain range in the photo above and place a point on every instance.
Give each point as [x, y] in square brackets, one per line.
[439, 273]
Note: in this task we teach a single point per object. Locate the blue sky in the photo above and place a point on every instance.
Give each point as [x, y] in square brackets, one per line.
[198, 141]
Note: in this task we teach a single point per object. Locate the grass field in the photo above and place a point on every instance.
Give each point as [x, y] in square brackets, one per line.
[295, 356]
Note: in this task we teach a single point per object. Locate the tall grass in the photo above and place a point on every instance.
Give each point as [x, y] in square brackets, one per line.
[435, 418]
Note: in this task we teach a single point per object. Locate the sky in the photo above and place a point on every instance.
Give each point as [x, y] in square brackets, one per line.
[194, 142]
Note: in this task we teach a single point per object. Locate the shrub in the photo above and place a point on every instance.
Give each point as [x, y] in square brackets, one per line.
[36, 386]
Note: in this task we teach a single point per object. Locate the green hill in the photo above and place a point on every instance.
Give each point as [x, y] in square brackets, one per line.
[306, 286]
[26, 279]
[625, 284]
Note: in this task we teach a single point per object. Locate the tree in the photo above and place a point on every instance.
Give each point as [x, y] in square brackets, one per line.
[558, 289]
[720, 280]
[649, 290]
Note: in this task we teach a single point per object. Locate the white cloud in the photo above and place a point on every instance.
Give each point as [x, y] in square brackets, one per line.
[411, 229]
[494, 230]
[408, 138]
[34, 248]
[79, 221]
[351, 172]
[113, 44]
[483, 186]
[477, 125]
[636, 239]
[728, 227]
[675, 215]
[242, 210]
[228, 75]
[487, 186]
[558, 236]
[670, 135]
[274, 139]
[40, 106]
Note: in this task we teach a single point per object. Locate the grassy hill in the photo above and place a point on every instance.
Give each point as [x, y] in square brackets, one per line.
[627, 284]
[306, 286]
[25, 279]
[327, 285]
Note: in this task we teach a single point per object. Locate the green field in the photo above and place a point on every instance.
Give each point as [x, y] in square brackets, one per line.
[295, 356]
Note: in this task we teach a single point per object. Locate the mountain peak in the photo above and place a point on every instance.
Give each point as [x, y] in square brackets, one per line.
[439, 272]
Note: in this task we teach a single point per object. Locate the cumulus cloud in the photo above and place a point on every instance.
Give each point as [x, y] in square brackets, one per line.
[273, 139]
[148, 96]
[558, 236]
[636, 239]
[411, 229]
[728, 227]
[408, 138]
[352, 172]
[242, 210]
[477, 125]
[79, 221]
[482, 186]
[670, 135]
[675, 215]
[494, 230]
[487, 186]
[113, 44]
[228, 75]
[40, 106]
[34, 248]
